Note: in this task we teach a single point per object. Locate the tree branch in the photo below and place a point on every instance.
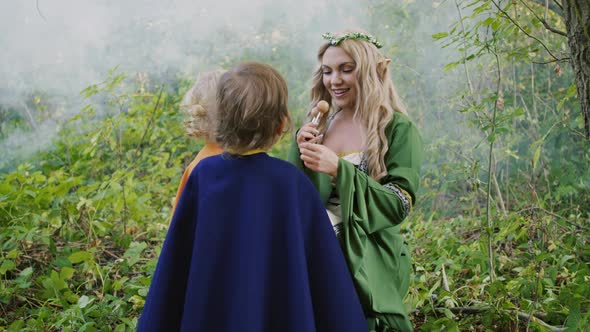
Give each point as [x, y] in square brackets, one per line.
[558, 4]
[521, 315]
[554, 6]
[551, 61]
[523, 30]
[542, 20]
[39, 11]
[535, 207]
[138, 149]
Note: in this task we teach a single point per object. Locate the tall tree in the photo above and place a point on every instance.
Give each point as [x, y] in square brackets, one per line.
[576, 18]
[576, 15]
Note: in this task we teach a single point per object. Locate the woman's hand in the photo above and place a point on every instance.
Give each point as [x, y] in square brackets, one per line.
[319, 158]
[307, 133]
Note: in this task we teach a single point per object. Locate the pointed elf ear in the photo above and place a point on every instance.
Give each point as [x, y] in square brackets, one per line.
[382, 68]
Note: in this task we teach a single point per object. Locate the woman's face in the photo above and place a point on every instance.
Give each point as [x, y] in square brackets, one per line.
[338, 76]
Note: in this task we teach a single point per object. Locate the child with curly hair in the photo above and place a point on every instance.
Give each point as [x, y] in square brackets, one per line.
[250, 247]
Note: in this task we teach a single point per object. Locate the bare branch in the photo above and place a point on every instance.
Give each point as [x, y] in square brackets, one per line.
[552, 61]
[557, 3]
[542, 20]
[39, 11]
[523, 30]
[534, 207]
[554, 6]
[521, 315]
[480, 308]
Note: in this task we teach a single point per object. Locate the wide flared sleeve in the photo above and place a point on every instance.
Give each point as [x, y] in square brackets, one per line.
[378, 205]
[321, 181]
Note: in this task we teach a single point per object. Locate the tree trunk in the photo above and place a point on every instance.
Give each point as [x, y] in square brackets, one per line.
[577, 21]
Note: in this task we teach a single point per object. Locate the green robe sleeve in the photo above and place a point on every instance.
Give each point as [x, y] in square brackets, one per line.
[378, 205]
[321, 181]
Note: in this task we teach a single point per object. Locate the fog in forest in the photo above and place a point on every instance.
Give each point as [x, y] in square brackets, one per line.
[57, 48]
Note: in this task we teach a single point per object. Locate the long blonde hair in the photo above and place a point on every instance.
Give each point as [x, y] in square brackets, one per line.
[376, 99]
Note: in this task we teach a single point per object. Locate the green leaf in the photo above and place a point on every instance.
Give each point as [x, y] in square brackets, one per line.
[26, 272]
[133, 254]
[58, 283]
[84, 301]
[80, 256]
[574, 318]
[7, 265]
[17, 325]
[66, 273]
[451, 66]
[440, 35]
[536, 156]
[13, 254]
[448, 313]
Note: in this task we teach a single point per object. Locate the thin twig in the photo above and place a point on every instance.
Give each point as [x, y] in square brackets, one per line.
[523, 30]
[138, 150]
[111, 254]
[545, 24]
[464, 49]
[489, 229]
[558, 4]
[551, 61]
[535, 207]
[39, 11]
[521, 315]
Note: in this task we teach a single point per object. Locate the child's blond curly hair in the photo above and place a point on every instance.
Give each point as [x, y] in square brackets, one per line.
[201, 106]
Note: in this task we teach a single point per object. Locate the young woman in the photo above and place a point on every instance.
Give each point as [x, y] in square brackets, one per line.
[364, 157]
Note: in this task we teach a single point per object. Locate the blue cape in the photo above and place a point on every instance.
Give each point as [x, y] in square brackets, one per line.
[250, 248]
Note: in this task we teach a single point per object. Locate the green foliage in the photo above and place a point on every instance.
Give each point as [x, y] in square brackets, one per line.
[539, 272]
[81, 224]
[537, 185]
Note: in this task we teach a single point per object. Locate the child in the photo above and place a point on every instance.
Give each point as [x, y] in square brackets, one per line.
[250, 247]
[199, 103]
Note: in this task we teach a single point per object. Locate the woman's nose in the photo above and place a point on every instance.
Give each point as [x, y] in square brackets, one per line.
[336, 78]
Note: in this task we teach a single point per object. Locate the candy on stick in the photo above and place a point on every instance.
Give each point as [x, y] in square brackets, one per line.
[321, 108]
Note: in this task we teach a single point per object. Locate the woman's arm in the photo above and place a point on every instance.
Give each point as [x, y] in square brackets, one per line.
[377, 205]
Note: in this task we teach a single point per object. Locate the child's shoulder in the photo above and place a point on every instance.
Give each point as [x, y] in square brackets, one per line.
[285, 165]
[290, 172]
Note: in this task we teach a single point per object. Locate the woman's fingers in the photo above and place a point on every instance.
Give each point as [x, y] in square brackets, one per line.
[315, 139]
[304, 136]
[319, 158]
[307, 154]
[306, 133]
[311, 154]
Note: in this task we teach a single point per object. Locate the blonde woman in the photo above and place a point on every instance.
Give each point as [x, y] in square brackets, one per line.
[364, 158]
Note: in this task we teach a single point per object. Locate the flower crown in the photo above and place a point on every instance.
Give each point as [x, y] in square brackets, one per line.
[334, 41]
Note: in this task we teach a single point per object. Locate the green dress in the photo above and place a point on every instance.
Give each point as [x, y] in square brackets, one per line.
[377, 255]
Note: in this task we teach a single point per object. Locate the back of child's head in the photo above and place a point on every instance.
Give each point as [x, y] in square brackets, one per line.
[252, 107]
[201, 106]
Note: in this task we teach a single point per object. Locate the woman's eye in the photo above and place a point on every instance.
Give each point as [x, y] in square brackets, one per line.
[348, 70]
[327, 72]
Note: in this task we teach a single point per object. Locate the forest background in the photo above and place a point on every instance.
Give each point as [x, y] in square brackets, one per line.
[92, 147]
